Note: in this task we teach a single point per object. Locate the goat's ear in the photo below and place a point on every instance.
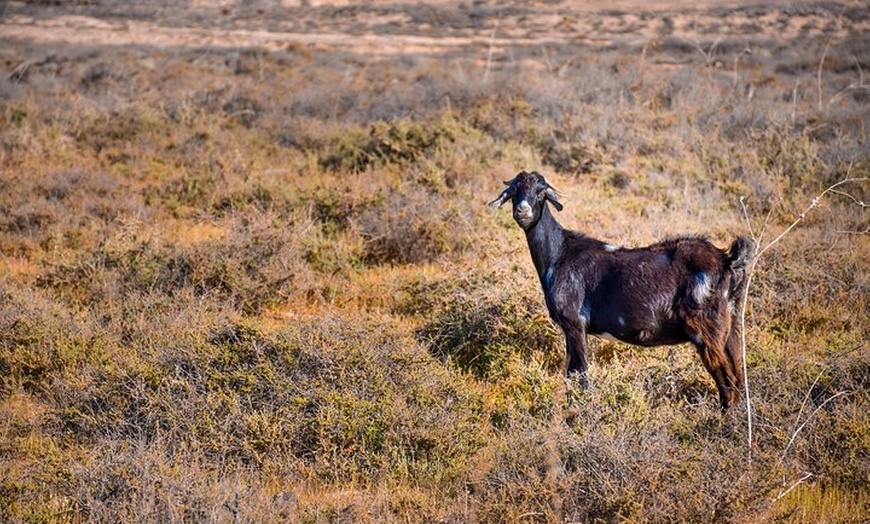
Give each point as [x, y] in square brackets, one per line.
[502, 198]
[550, 194]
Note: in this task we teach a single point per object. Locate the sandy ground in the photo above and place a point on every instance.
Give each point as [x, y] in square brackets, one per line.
[384, 27]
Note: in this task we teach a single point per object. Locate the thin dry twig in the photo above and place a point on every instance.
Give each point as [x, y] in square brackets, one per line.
[853, 199]
[783, 493]
[746, 51]
[490, 51]
[801, 411]
[860, 86]
[799, 428]
[819, 74]
[708, 54]
[759, 251]
[794, 101]
[812, 205]
[743, 331]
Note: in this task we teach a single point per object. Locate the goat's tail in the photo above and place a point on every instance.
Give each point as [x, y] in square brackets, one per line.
[739, 256]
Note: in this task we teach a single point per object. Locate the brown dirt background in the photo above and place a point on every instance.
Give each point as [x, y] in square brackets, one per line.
[390, 27]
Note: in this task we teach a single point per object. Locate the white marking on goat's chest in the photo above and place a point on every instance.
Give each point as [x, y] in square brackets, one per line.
[548, 277]
[585, 313]
[703, 287]
[610, 248]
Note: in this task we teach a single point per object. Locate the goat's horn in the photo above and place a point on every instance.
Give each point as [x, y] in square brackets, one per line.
[547, 184]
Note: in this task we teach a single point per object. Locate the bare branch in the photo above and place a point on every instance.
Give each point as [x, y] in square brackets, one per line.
[798, 430]
[782, 494]
[819, 76]
[812, 205]
[800, 412]
[759, 250]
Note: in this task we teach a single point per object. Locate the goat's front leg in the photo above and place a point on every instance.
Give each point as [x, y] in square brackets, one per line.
[575, 338]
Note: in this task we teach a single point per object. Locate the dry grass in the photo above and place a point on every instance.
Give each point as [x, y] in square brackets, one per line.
[262, 286]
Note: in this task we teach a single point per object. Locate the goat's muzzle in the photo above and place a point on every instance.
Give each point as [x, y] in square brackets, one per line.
[523, 214]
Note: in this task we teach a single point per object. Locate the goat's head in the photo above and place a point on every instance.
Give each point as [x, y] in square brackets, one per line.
[528, 192]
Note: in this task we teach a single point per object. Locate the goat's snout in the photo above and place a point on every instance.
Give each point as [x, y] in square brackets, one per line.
[523, 213]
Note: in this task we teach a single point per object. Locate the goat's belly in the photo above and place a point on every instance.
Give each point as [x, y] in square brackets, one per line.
[646, 338]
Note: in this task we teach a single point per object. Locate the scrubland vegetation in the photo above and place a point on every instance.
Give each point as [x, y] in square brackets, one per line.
[241, 285]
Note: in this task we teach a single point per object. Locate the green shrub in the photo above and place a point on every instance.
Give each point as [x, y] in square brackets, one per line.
[399, 143]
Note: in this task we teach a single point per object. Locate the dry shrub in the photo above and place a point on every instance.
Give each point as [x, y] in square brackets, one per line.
[115, 133]
[351, 428]
[482, 321]
[569, 155]
[41, 340]
[611, 454]
[340, 209]
[397, 143]
[329, 399]
[36, 210]
[808, 350]
[415, 227]
[251, 267]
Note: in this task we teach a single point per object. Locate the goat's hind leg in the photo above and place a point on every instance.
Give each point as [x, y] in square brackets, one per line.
[710, 340]
[734, 352]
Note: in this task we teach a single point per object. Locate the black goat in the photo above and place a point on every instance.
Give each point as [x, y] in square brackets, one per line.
[679, 290]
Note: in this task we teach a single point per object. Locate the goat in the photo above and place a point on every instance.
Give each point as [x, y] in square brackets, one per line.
[679, 290]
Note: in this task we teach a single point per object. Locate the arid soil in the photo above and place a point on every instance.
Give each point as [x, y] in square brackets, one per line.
[432, 27]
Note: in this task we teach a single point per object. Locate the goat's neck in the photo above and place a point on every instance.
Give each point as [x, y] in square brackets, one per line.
[546, 243]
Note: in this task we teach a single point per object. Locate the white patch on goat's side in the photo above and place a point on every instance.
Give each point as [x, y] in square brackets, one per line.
[610, 248]
[621, 320]
[703, 287]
